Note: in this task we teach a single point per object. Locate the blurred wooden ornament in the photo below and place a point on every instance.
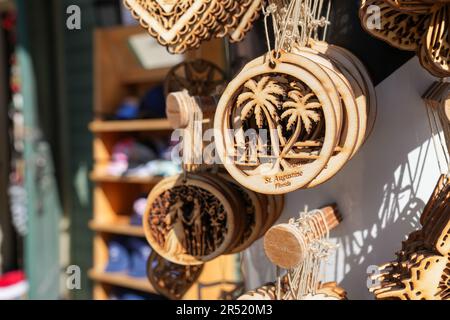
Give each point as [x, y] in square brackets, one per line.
[169, 279]
[199, 77]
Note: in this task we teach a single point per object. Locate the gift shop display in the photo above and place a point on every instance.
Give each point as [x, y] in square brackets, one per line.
[193, 165]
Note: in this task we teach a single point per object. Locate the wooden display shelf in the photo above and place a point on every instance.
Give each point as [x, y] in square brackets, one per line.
[99, 126]
[117, 228]
[96, 177]
[122, 280]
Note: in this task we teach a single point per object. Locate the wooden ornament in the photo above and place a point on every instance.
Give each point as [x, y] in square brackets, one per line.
[351, 121]
[421, 26]
[189, 221]
[400, 29]
[181, 25]
[422, 268]
[285, 245]
[199, 77]
[253, 212]
[169, 279]
[275, 98]
[349, 62]
[195, 116]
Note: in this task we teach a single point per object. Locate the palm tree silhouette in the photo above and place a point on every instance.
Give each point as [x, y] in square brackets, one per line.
[300, 113]
[262, 100]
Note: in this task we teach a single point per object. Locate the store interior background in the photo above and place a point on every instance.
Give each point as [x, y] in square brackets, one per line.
[380, 193]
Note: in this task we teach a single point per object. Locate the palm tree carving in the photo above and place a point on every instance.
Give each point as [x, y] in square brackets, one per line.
[262, 98]
[269, 100]
[301, 113]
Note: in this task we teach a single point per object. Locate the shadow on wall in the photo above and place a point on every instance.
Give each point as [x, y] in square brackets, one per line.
[380, 193]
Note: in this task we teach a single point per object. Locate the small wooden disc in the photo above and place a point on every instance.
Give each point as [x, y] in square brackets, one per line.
[177, 110]
[283, 246]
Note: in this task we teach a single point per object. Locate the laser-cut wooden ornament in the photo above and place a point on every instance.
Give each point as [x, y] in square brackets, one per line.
[421, 26]
[169, 279]
[190, 220]
[300, 134]
[182, 25]
[268, 292]
[199, 77]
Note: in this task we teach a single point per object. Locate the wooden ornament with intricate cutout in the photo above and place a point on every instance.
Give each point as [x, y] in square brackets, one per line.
[268, 292]
[288, 104]
[182, 25]
[190, 220]
[199, 77]
[169, 279]
[422, 268]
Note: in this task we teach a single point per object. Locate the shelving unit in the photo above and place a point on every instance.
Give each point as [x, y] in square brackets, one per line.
[117, 75]
[99, 126]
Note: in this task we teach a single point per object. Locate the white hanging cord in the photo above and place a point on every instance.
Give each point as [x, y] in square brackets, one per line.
[304, 280]
[296, 22]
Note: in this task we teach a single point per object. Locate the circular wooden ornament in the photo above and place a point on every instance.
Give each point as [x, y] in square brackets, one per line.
[277, 175]
[199, 77]
[169, 279]
[188, 221]
[284, 246]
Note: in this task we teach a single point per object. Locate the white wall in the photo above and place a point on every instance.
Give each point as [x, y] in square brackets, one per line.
[380, 192]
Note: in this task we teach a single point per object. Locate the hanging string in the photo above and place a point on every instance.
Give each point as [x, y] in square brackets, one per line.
[304, 280]
[296, 22]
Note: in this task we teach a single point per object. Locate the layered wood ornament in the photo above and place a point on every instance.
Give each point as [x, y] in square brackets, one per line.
[169, 279]
[422, 268]
[421, 26]
[293, 118]
[182, 25]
